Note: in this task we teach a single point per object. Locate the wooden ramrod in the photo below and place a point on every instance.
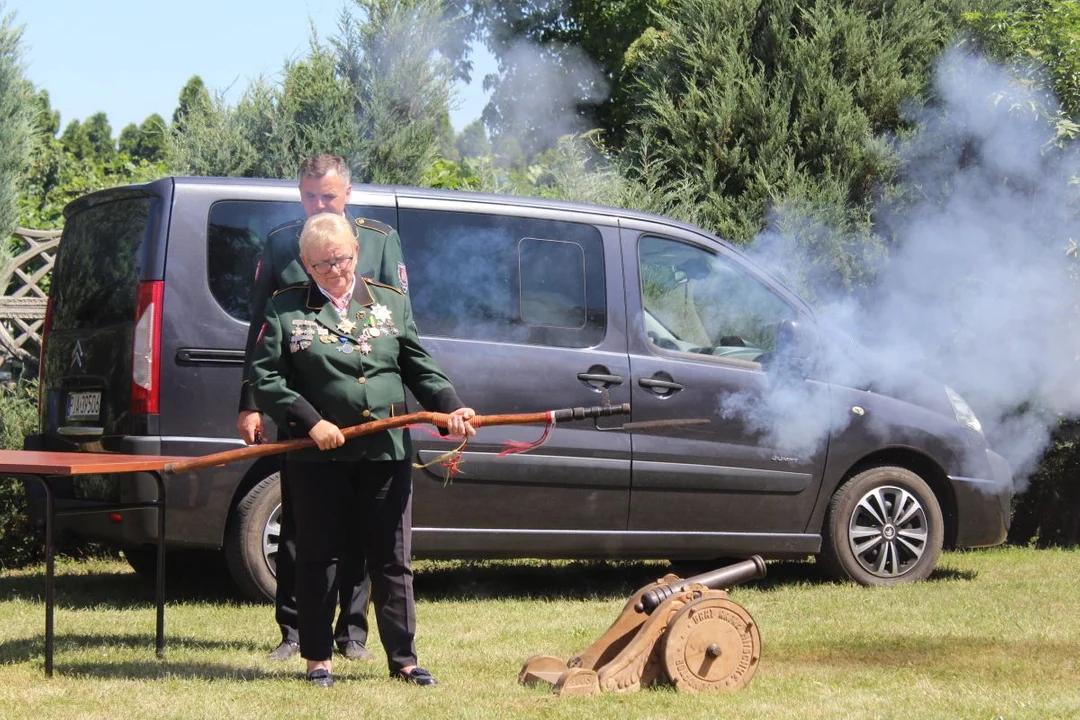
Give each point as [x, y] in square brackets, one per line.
[687, 633]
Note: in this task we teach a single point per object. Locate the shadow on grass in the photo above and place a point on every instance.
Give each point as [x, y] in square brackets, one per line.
[194, 578]
[573, 580]
[25, 649]
[576, 580]
[154, 669]
[189, 580]
[792, 572]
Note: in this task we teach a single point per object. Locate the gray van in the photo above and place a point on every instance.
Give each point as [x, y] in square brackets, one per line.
[528, 305]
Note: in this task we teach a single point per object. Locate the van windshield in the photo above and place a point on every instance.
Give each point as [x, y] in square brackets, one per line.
[96, 278]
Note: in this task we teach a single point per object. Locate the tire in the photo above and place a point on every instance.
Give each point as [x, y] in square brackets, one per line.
[883, 527]
[143, 560]
[251, 541]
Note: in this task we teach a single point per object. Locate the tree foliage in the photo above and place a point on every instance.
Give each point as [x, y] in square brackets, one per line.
[20, 542]
[99, 137]
[390, 55]
[1041, 40]
[377, 94]
[146, 141]
[194, 99]
[561, 60]
[773, 111]
[46, 120]
[67, 167]
[17, 109]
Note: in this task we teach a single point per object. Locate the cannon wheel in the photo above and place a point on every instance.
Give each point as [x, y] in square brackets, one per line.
[712, 644]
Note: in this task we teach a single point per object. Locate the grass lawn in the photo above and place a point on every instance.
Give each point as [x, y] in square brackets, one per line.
[993, 633]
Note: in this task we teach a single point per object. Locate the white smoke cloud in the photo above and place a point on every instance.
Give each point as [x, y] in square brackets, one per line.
[978, 290]
[546, 83]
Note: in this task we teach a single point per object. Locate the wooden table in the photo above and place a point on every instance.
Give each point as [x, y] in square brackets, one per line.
[44, 467]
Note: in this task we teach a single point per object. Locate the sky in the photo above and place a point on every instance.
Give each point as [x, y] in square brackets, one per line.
[130, 59]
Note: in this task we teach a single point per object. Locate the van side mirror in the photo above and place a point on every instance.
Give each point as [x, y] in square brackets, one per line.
[791, 354]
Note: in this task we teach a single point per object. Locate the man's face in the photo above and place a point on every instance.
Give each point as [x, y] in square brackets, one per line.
[326, 194]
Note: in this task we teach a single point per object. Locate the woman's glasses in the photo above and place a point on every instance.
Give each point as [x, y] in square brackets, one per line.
[324, 268]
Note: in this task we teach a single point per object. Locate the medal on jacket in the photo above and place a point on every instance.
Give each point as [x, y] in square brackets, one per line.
[346, 326]
[345, 346]
[303, 331]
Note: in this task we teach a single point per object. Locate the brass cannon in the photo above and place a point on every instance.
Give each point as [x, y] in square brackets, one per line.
[684, 632]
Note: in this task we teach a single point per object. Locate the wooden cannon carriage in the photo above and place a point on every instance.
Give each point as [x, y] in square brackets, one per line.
[688, 633]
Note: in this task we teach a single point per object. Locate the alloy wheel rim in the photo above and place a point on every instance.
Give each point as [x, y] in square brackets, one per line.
[271, 538]
[888, 532]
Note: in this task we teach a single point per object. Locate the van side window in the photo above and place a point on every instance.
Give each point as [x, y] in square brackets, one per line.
[510, 279]
[234, 239]
[700, 302]
[235, 234]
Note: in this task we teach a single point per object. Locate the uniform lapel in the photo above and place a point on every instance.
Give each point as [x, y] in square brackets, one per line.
[362, 294]
[324, 310]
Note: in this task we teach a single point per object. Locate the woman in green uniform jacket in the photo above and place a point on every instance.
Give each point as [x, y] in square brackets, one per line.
[334, 352]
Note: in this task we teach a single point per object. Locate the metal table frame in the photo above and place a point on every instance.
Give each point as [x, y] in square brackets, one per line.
[43, 467]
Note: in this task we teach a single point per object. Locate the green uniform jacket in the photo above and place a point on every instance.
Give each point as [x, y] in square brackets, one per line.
[279, 267]
[310, 365]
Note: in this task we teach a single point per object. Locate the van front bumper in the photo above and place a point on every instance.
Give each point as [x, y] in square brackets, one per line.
[984, 505]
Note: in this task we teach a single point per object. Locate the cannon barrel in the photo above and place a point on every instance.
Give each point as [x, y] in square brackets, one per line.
[725, 577]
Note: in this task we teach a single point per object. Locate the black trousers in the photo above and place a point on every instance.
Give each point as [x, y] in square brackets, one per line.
[354, 587]
[348, 507]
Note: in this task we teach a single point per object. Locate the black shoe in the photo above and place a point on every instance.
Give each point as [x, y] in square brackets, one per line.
[286, 650]
[354, 650]
[320, 677]
[416, 676]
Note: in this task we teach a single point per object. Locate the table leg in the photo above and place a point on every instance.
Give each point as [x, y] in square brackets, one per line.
[160, 591]
[50, 559]
[50, 576]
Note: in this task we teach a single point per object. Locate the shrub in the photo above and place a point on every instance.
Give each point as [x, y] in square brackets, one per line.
[21, 542]
[1047, 514]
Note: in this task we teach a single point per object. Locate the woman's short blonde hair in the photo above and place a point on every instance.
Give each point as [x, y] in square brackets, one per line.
[324, 230]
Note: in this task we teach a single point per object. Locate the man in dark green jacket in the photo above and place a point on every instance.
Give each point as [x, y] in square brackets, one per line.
[324, 188]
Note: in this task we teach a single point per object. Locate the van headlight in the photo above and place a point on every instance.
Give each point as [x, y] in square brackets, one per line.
[964, 414]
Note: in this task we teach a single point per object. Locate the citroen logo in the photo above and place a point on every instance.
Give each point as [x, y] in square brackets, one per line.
[77, 355]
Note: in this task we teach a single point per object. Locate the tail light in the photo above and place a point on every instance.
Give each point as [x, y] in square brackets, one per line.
[146, 349]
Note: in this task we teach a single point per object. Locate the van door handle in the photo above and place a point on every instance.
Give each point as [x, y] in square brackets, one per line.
[601, 378]
[663, 388]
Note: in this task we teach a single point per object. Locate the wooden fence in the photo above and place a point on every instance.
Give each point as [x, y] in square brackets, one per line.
[24, 285]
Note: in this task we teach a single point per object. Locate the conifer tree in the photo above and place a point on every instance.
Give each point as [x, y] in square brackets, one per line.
[17, 111]
[774, 112]
[377, 94]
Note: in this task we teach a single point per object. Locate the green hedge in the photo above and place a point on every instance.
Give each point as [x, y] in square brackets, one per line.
[20, 542]
[1047, 514]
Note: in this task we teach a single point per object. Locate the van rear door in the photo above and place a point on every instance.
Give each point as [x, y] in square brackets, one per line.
[107, 253]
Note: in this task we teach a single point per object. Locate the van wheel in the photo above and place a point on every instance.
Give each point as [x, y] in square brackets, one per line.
[142, 559]
[251, 542]
[883, 527]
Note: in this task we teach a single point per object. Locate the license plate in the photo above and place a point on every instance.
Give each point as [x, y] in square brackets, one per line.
[84, 406]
